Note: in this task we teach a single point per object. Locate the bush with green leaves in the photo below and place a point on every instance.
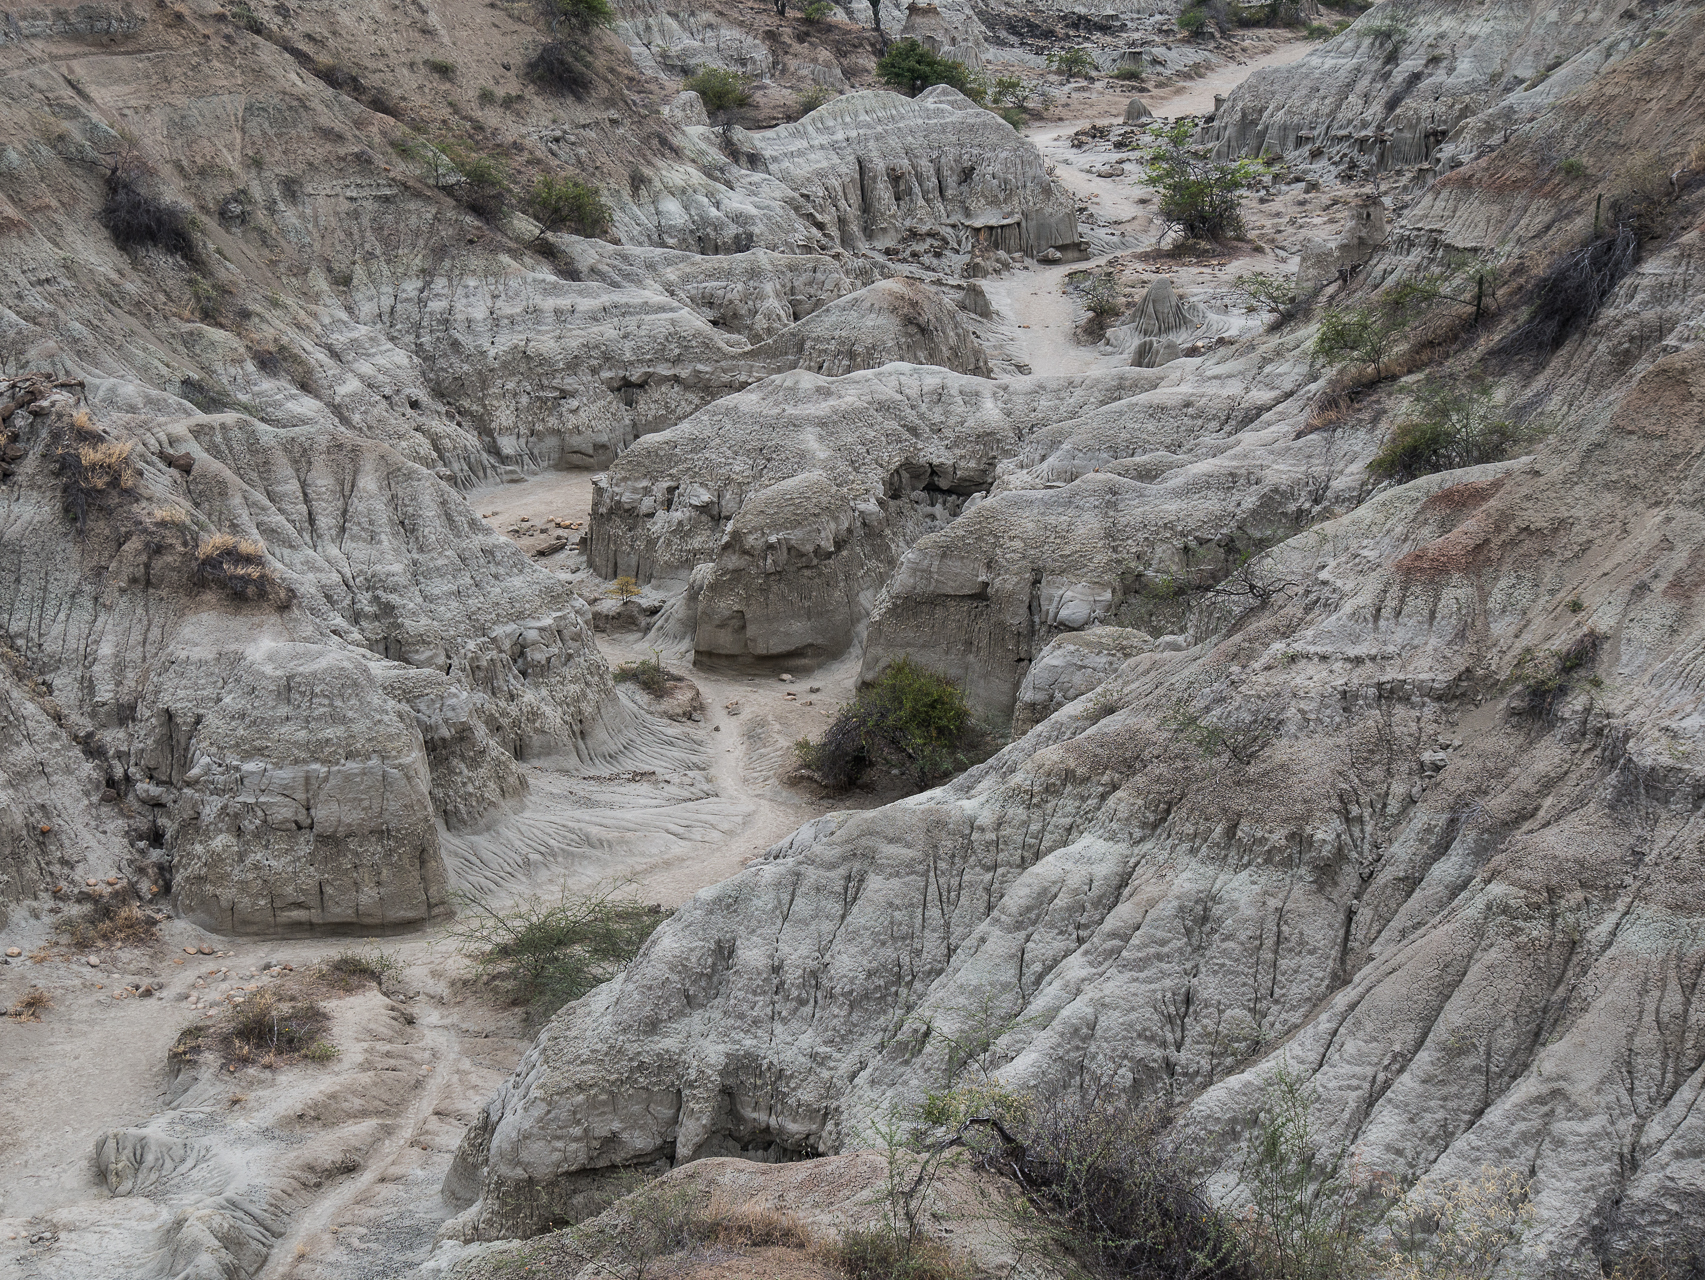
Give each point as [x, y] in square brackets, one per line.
[1199, 196]
[1193, 21]
[1070, 63]
[817, 11]
[1010, 91]
[720, 89]
[568, 204]
[1267, 292]
[810, 99]
[544, 953]
[1367, 335]
[911, 68]
[1104, 298]
[1449, 425]
[908, 719]
[1129, 72]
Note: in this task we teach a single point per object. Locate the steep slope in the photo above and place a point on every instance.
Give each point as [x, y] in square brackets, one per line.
[1421, 818]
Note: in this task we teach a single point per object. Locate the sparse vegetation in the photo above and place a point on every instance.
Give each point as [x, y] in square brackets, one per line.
[1268, 292]
[1541, 680]
[817, 12]
[268, 1029]
[440, 67]
[911, 68]
[484, 185]
[1130, 72]
[648, 673]
[112, 920]
[1069, 64]
[93, 470]
[567, 203]
[1010, 91]
[720, 89]
[649, 1223]
[137, 219]
[543, 953]
[30, 1005]
[908, 719]
[1198, 195]
[239, 565]
[624, 588]
[1193, 21]
[374, 966]
[1572, 168]
[810, 99]
[1568, 295]
[1449, 425]
[1365, 335]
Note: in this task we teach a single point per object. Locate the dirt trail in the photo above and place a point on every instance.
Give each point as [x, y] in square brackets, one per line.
[1034, 299]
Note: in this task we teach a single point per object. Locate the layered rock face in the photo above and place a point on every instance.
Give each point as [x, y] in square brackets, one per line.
[1414, 809]
[1429, 82]
[872, 166]
[905, 449]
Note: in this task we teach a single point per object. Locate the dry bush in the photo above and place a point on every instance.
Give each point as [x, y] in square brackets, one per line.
[29, 1007]
[137, 219]
[749, 1225]
[878, 1255]
[1568, 295]
[93, 472]
[239, 565]
[268, 1029]
[110, 921]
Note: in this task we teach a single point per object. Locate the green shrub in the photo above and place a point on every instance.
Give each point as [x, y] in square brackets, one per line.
[1015, 116]
[1069, 63]
[1449, 426]
[648, 673]
[911, 68]
[579, 15]
[876, 1253]
[1199, 196]
[1193, 21]
[441, 67]
[720, 89]
[1103, 297]
[810, 99]
[817, 11]
[568, 203]
[484, 188]
[1009, 91]
[1366, 335]
[1572, 168]
[241, 15]
[544, 954]
[1129, 72]
[1267, 292]
[487, 96]
[908, 719]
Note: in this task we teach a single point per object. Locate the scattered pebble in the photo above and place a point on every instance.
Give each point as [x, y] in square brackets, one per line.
[14, 951]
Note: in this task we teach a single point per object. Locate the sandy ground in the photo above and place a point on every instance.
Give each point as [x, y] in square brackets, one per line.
[685, 806]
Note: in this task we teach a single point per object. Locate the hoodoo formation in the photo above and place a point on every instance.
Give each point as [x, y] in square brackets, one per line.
[758, 641]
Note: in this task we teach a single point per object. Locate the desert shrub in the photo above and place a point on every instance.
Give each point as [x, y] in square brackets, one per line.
[375, 966]
[907, 718]
[1366, 335]
[544, 953]
[1128, 72]
[266, 1024]
[1015, 116]
[111, 921]
[241, 15]
[1449, 425]
[487, 96]
[137, 219]
[720, 89]
[1458, 1228]
[1103, 297]
[810, 99]
[748, 1225]
[441, 67]
[239, 565]
[1009, 91]
[93, 472]
[1568, 295]
[580, 15]
[648, 673]
[562, 66]
[817, 11]
[1307, 1210]
[568, 203]
[1268, 292]
[1542, 681]
[1070, 63]
[1193, 21]
[876, 1253]
[1388, 37]
[30, 1005]
[1198, 195]
[484, 188]
[911, 68]
[647, 1224]
[1572, 168]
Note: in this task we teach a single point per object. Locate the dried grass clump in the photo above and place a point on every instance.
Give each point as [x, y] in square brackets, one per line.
[239, 565]
[93, 472]
[269, 1029]
[29, 1007]
[745, 1224]
[110, 921]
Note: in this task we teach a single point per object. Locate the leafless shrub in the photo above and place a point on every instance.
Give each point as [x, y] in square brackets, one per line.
[136, 219]
[30, 1005]
[1569, 295]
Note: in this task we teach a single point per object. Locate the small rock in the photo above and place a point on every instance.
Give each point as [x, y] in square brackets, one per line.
[785, 678]
[189, 951]
[206, 951]
[94, 963]
[816, 688]
[716, 728]
[14, 951]
[91, 883]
